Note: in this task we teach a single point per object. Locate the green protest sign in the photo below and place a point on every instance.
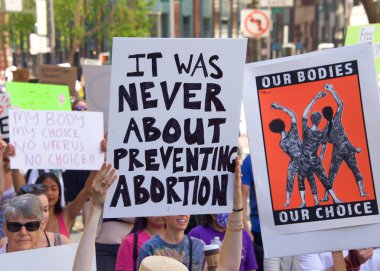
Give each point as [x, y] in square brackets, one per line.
[366, 33]
[39, 96]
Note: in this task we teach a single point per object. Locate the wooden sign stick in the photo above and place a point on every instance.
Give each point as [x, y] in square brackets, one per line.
[338, 260]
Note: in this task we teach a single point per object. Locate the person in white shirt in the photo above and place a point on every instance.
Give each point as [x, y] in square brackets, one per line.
[360, 259]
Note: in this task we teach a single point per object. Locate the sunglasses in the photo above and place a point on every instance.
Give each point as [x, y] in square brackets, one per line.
[80, 108]
[29, 226]
[29, 188]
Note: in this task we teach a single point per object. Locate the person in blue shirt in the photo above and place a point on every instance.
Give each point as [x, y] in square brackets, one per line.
[248, 189]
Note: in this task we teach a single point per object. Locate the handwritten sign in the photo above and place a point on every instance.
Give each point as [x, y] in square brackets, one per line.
[52, 74]
[42, 259]
[56, 139]
[39, 96]
[366, 33]
[313, 130]
[5, 105]
[98, 79]
[174, 118]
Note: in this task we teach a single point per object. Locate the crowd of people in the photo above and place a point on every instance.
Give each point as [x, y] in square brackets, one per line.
[39, 208]
[34, 218]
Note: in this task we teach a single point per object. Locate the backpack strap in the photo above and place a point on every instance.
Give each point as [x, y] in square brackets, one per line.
[190, 253]
[135, 254]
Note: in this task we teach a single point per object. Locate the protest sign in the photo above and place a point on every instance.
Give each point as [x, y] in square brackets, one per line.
[97, 80]
[173, 129]
[39, 96]
[57, 258]
[366, 33]
[288, 103]
[21, 75]
[56, 139]
[5, 105]
[52, 74]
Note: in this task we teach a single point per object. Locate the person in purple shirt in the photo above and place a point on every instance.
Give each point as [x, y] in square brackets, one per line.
[215, 226]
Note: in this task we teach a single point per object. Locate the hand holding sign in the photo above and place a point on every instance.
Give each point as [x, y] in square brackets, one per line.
[3, 146]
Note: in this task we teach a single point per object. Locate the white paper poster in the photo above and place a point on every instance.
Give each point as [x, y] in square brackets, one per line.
[174, 122]
[312, 130]
[5, 105]
[97, 80]
[56, 139]
[57, 258]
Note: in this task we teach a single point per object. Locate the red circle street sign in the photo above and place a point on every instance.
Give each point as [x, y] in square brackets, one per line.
[256, 23]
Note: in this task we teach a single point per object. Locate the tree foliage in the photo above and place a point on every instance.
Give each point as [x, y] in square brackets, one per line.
[19, 25]
[78, 22]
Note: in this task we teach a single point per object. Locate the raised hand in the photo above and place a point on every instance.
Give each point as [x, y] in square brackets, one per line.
[3, 146]
[321, 94]
[329, 87]
[9, 151]
[103, 143]
[102, 181]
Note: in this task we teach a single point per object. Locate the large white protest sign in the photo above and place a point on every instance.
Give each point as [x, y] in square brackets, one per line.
[98, 79]
[57, 258]
[56, 139]
[5, 105]
[313, 127]
[174, 125]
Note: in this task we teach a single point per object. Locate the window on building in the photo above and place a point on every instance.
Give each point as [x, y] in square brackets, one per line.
[186, 22]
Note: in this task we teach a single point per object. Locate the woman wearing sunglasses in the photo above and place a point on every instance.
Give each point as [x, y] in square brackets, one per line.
[79, 105]
[47, 239]
[23, 223]
[9, 178]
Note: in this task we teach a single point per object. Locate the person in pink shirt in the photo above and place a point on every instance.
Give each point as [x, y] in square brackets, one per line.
[142, 231]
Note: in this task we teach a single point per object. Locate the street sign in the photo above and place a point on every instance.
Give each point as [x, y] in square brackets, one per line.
[255, 23]
[38, 44]
[276, 3]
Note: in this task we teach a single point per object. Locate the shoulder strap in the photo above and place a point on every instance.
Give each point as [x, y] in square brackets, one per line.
[135, 254]
[190, 253]
[47, 239]
[57, 239]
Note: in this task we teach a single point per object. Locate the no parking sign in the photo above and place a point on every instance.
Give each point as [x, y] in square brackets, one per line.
[255, 23]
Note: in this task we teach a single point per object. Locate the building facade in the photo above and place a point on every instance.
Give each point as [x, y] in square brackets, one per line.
[301, 27]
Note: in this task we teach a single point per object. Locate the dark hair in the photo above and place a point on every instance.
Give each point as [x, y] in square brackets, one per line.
[327, 114]
[49, 175]
[316, 118]
[76, 101]
[140, 224]
[277, 125]
[206, 220]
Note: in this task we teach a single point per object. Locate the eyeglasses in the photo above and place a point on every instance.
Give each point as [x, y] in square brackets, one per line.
[80, 108]
[29, 188]
[29, 226]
